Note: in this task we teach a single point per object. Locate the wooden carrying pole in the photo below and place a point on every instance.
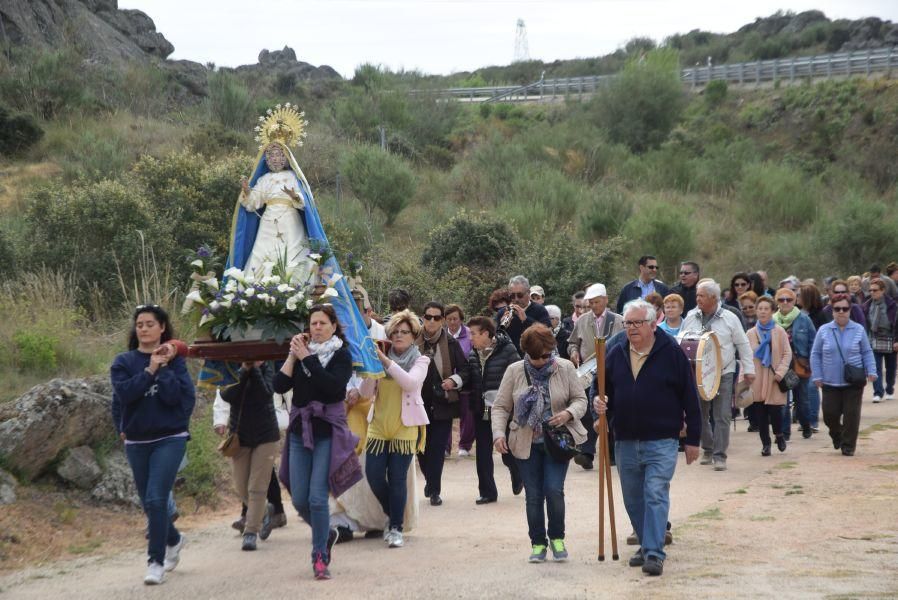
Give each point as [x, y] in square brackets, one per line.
[604, 460]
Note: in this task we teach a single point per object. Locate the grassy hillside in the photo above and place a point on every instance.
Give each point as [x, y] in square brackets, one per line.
[112, 192]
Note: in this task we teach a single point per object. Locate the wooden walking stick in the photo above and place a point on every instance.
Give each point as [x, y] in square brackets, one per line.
[601, 427]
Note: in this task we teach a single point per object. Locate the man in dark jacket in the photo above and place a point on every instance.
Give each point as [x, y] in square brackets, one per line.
[491, 354]
[526, 312]
[447, 374]
[651, 391]
[643, 285]
[689, 276]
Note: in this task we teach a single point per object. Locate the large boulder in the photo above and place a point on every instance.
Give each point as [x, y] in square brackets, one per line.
[80, 468]
[284, 62]
[7, 488]
[51, 417]
[117, 483]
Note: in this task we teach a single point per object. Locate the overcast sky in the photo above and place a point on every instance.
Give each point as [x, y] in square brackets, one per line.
[446, 36]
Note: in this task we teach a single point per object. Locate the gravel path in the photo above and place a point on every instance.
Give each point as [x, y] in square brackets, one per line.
[808, 523]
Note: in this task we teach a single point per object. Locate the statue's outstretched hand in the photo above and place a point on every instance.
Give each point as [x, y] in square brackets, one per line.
[244, 185]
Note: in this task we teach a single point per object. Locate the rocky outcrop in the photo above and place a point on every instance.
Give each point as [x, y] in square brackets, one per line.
[284, 62]
[7, 488]
[52, 417]
[80, 468]
[117, 484]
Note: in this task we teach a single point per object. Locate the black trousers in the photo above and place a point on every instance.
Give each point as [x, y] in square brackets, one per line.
[435, 453]
[767, 415]
[842, 414]
[483, 437]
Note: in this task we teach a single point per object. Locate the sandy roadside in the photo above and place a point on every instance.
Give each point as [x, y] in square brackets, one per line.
[808, 523]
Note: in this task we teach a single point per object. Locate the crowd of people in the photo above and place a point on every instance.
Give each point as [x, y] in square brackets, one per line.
[517, 380]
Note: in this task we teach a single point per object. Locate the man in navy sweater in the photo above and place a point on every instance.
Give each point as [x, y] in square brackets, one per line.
[650, 391]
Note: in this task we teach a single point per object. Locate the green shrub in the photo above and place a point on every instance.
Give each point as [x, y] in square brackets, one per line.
[663, 230]
[479, 242]
[229, 101]
[715, 93]
[720, 167]
[606, 213]
[861, 230]
[49, 83]
[35, 351]
[7, 256]
[18, 133]
[213, 140]
[380, 180]
[541, 196]
[772, 196]
[641, 106]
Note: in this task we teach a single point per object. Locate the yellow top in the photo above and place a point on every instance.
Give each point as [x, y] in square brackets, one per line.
[387, 426]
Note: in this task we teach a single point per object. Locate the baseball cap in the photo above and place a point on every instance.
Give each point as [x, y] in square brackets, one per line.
[537, 289]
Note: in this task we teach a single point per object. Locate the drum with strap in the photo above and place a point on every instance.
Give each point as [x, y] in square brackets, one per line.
[703, 351]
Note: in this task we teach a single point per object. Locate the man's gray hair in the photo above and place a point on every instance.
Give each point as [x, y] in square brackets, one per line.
[712, 286]
[639, 304]
[519, 280]
[554, 311]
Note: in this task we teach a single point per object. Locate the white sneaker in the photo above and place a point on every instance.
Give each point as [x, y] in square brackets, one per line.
[395, 540]
[173, 554]
[155, 574]
[889, 397]
[387, 530]
[463, 453]
[877, 399]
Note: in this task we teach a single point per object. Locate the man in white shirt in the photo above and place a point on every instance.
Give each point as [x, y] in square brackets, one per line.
[709, 315]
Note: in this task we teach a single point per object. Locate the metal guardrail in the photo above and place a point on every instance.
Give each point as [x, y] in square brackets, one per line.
[845, 64]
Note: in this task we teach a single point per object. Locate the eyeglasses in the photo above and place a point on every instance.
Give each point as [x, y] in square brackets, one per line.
[433, 317]
[542, 357]
[632, 324]
[652, 267]
[686, 272]
[747, 306]
[785, 300]
[519, 294]
[841, 309]
[842, 291]
[400, 332]
[740, 284]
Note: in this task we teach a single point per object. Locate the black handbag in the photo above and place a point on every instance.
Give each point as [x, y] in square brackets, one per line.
[854, 376]
[789, 381]
[559, 442]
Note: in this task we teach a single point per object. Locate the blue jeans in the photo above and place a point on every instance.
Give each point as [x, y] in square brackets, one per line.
[387, 474]
[645, 469]
[813, 403]
[889, 359]
[543, 480]
[308, 486]
[155, 467]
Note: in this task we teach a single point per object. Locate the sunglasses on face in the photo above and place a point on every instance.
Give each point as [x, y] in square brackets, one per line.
[686, 272]
[652, 267]
[840, 291]
[433, 317]
[748, 306]
[740, 284]
[784, 300]
[841, 309]
[543, 357]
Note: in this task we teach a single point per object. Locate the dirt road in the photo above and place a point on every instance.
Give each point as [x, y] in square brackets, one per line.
[808, 523]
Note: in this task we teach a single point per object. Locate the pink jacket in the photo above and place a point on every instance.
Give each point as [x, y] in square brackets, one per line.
[413, 412]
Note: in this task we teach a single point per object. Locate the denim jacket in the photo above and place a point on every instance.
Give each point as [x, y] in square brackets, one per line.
[803, 334]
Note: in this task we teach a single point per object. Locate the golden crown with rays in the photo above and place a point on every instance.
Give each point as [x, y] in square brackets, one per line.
[284, 123]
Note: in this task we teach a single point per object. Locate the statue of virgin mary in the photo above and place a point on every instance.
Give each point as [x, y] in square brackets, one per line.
[276, 221]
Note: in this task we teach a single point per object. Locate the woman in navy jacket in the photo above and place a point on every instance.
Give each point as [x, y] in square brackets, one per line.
[153, 400]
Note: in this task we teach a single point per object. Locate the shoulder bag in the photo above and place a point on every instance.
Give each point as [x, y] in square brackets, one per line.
[790, 381]
[230, 446]
[854, 376]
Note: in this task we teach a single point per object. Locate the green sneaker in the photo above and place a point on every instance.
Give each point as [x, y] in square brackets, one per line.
[559, 552]
[538, 554]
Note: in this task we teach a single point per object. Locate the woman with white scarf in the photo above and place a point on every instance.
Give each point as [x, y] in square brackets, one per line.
[317, 371]
[396, 421]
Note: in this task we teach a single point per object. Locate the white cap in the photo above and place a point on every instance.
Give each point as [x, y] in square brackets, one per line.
[537, 289]
[594, 291]
[554, 311]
